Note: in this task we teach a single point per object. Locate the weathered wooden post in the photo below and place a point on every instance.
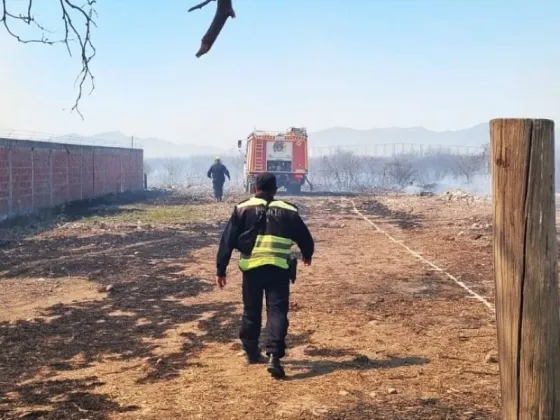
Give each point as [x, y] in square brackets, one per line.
[525, 265]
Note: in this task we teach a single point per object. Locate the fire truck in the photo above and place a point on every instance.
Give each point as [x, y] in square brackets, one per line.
[281, 153]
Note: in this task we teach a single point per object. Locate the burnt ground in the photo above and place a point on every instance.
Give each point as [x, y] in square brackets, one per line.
[112, 314]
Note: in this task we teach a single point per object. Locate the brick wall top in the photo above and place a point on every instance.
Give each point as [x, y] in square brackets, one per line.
[64, 146]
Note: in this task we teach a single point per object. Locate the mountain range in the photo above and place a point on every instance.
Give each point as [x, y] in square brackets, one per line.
[153, 147]
[342, 136]
[477, 135]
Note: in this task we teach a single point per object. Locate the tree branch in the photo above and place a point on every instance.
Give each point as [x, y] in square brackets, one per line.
[87, 50]
[201, 5]
[70, 12]
[224, 10]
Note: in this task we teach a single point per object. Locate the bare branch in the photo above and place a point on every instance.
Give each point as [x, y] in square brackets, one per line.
[87, 50]
[70, 12]
[28, 19]
[81, 34]
[224, 10]
[201, 5]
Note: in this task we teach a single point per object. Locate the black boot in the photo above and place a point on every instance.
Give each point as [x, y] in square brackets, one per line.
[275, 367]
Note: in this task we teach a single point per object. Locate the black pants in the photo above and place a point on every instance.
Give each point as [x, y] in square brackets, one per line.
[218, 190]
[274, 283]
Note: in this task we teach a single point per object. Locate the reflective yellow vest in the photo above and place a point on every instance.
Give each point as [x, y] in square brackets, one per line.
[269, 249]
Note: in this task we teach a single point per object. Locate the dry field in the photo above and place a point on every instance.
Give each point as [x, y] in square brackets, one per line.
[112, 314]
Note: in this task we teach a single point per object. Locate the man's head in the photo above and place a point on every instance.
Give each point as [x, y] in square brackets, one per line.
[266, 183]
[217, 160]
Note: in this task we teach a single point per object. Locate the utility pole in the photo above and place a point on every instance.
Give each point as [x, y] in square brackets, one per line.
[526, 267]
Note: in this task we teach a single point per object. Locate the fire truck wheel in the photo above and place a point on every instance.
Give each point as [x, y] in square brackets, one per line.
[293, 188]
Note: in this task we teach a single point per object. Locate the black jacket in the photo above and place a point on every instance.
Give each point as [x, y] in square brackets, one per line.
[218, 173]
[280, 222]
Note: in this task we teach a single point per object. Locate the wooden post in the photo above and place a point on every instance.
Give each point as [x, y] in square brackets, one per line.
[525, 264]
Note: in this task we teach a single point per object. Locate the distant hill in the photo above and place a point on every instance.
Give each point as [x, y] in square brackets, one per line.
[337, 136]
[153, 147]
[341, 136]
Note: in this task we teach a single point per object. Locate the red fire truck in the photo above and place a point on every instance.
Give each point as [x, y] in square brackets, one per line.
[281, 153]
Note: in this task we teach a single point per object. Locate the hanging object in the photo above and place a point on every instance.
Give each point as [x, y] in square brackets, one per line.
[224, 10]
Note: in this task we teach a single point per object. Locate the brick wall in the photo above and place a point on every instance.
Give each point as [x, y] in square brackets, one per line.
[35, 175]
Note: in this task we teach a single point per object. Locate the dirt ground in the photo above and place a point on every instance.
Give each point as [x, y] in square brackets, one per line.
[112, 314]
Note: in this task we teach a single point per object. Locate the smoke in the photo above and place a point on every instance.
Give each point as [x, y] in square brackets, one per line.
[344, 171]
[479, 185]
[190, 171]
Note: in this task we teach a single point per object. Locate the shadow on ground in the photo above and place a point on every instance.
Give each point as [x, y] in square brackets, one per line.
[410, 409]
[314, 368]
[402, 219]
[104, 257]
[145, 301]
[122, 327]
[21, 227]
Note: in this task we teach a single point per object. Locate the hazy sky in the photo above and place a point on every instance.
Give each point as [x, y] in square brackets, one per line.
[443, 64]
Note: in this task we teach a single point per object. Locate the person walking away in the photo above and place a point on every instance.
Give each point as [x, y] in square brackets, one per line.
[218, 173]
[276, 225]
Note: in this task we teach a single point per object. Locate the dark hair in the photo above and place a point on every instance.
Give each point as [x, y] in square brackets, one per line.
[266, 183]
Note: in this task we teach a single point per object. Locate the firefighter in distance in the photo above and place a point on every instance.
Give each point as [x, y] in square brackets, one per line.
[218, 173]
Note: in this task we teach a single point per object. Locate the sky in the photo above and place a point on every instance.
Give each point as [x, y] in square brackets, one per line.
[440, 64]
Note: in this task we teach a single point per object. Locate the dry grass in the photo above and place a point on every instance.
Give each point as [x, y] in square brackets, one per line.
[150, 214]
[114, 315]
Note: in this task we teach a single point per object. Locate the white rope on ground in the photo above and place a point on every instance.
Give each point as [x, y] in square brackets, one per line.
[424, 260]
